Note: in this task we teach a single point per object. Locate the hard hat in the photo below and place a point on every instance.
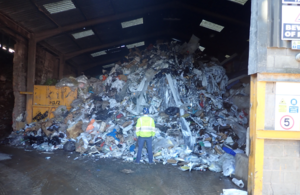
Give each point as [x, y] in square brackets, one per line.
[146, 111]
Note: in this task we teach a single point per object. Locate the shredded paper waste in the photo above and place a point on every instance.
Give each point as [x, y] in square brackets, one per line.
[197, 125]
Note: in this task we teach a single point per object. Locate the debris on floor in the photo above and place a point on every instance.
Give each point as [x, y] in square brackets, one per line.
[4, 156]
[127, 171]
[197, 125]
[233, 192]
[237, 182]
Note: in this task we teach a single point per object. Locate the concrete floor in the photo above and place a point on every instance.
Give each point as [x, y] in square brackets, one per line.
[28, 172]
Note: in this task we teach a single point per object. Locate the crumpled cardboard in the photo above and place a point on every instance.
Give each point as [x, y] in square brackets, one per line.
[75, 130]
[68, 118]
[34, 128]
[45, 125]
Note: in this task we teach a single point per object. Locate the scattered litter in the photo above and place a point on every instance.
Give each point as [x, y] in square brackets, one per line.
[198, 127]
[4, 156]
[48, 157]
[127, 171]
[47, 153]
[237, 182]
[233, 192]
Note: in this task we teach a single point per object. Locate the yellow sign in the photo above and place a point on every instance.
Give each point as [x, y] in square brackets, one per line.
[282, 102]
[282, 106]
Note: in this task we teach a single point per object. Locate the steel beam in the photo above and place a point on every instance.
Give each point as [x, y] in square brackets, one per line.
[50, 48]
[49, 33]
[115, 44]
[30, 78]
[175, 5]
[6, 23]
[213, 14]
[45, 13]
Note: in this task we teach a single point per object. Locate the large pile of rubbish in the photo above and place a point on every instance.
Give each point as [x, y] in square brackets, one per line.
[197, 125]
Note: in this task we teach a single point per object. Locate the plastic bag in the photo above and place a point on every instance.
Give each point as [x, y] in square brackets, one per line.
[160, 143]
[118, 85]
[215, 167]
[67, 82]
[76, 103]
[150, 74]
[60, 110]
[228, 167]
[82, 79]
[172, 111]
[233, 192]
[69, 146]
[240, 131]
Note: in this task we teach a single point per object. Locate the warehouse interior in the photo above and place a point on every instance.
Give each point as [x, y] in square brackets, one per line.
[65, 38]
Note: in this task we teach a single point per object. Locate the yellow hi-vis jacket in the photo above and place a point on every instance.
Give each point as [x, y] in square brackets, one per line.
[145, 127]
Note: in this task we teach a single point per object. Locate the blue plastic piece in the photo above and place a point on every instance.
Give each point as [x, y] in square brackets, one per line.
[229, 151]
[232, 84]
[114, 134]
[132, 147]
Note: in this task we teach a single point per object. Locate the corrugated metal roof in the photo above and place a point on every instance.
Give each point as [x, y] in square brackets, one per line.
[274, 18]
[25, 13]
[232, 39]
[69, 17]
[122, 6]
[63, 43]
[87, 42]
[94, 9]
[59, 6]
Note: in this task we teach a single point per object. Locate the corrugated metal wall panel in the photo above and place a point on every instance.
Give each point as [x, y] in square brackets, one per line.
[274, 18]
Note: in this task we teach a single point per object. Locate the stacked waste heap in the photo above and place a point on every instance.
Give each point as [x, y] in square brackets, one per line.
[197, 125]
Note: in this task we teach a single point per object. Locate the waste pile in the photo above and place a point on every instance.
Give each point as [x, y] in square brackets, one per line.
[197, 125]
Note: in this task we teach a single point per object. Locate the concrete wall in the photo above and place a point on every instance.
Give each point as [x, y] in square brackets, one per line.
[282, 61]
[70, 71]
[19, 79]
[281, 167]
[47, 66]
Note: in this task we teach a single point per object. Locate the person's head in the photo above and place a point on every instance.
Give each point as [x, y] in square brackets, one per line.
[145, 111]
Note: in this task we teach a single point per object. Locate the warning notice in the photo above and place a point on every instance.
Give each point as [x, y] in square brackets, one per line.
[291, 1]
[290, 23]
[287, 107]
[282, 106]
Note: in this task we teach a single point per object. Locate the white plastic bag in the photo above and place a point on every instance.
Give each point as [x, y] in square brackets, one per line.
[233, 192]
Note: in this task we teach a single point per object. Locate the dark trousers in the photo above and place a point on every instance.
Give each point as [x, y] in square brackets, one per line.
[141, 142]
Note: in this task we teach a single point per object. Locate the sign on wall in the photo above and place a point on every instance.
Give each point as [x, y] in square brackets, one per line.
[290, 29]
[287, 115]
[291, 1]
[295, 45]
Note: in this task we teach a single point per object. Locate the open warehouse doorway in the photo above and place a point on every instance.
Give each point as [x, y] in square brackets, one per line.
[6, 79]
[75, 38]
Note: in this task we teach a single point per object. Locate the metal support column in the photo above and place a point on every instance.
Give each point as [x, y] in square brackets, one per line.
[30, 78]
[61, 66]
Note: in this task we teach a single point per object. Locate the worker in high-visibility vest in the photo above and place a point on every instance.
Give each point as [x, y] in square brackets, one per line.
[145, 130]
